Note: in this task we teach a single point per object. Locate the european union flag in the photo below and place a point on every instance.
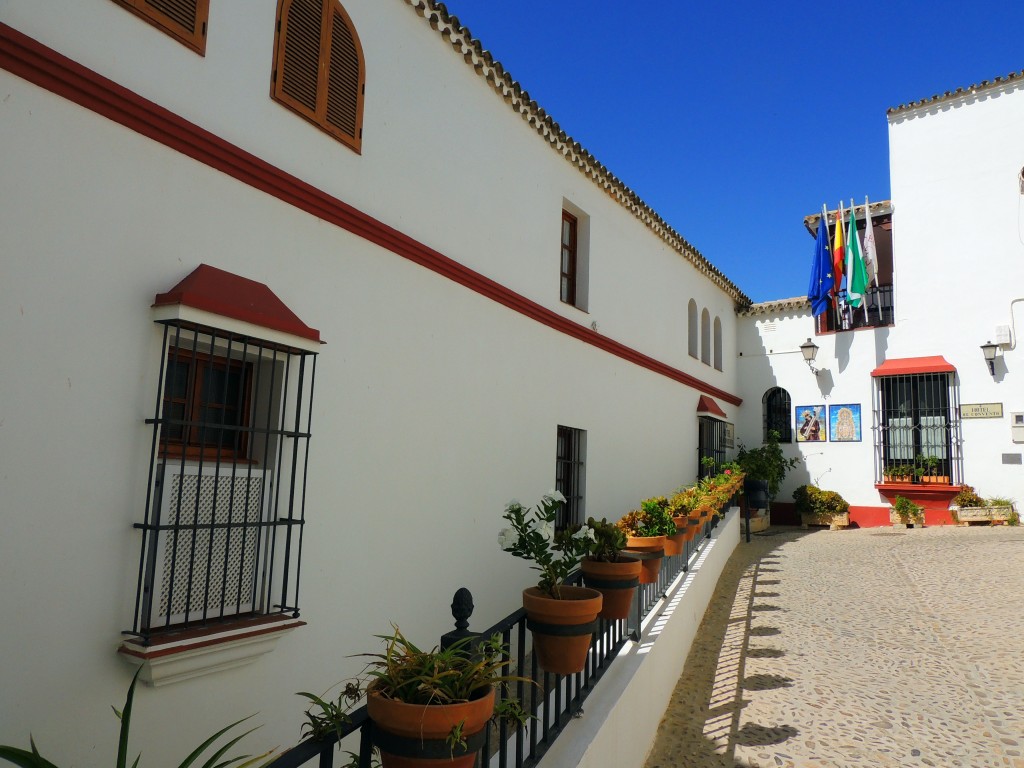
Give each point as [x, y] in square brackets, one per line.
[821, 272]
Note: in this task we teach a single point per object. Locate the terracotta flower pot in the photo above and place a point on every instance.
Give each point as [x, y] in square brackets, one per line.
[674, 544]
[693, 525]
[650, 546]
[420, 723]
[615, 581]
[562, 628]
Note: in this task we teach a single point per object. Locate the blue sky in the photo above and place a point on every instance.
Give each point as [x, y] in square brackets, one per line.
[736, 120]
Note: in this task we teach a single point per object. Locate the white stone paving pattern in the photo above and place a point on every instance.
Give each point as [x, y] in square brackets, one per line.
[872, 647]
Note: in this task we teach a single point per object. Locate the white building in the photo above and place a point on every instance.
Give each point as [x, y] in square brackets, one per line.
[375, 337]
[956, 271]
[472, 273]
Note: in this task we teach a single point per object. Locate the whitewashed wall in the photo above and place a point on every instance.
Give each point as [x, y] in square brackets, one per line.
[770, 357]
[433, 407]
[958, 228]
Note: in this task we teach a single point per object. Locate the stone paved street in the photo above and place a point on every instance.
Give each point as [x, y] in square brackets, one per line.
[869, 647]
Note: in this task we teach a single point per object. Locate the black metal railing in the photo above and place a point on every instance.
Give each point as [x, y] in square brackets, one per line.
[553, 701]
[877, 311]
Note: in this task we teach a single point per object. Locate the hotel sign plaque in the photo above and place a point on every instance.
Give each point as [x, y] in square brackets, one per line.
[981, 410]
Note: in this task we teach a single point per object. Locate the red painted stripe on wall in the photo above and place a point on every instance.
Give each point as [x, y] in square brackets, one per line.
[44, 67]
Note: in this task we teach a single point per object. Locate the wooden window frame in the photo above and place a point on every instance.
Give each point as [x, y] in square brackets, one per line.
[189, 445]
[194, 38]
[569, 260]
[318, 114]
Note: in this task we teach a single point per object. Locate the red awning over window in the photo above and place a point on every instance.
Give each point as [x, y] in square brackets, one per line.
[707, 405]
[905, 366]
[229, 295]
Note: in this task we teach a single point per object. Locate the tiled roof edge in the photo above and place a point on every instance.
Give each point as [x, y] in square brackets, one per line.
[491, 70]
[776, 307]
[970, 90]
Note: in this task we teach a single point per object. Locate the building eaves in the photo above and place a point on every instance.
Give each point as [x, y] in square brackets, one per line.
[778, 307]
[491, 70]
[970, 90]
[880, 209]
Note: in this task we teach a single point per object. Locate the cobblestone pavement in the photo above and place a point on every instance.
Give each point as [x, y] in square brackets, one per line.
[870, 647]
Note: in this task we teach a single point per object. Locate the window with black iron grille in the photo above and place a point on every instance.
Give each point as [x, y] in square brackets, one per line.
[222, 532]
[917, 435]
[711, 440]
[570, 475]
[319, 70]
[184, 20]
[776, 410]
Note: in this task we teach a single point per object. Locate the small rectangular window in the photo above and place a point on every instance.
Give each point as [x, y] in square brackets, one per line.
[569, 244]
[570, 475]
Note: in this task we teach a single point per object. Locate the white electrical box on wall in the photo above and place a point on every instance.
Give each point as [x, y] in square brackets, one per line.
[1017, 427]
[1003, 334]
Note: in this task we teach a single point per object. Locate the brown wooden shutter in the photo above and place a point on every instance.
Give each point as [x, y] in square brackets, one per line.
[298, 62]
[182, 19]
[343, 80]
[319, 68]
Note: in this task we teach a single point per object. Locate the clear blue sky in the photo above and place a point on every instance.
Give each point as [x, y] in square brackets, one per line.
[735, 120]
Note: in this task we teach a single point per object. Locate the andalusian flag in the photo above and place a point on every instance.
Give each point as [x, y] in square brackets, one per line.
[838, 252]
[856, 273]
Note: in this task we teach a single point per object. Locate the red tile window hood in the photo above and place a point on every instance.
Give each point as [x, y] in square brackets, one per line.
[708, 405]
[906, 366]
[213, 290]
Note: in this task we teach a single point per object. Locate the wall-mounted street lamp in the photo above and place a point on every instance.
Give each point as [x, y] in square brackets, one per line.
[988, 349]
[810, 350]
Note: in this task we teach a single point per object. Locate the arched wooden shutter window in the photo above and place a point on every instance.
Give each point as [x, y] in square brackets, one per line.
[182, 19]
[318, 67]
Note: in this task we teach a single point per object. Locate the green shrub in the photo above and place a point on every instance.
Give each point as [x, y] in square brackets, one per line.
[907, 511]
[821, 505]
[968, 498]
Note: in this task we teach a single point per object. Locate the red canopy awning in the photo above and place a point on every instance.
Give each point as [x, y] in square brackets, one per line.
[708, 405]
[905, 366]
[230, 295]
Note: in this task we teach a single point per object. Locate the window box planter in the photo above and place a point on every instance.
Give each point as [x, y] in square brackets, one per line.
[834, 522]
[992, 515]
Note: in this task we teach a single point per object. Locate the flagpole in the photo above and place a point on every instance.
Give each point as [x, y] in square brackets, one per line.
[874, 257]
[864, 299]
[824, 217]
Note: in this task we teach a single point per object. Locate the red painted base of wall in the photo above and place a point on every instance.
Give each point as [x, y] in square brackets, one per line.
[868, 517]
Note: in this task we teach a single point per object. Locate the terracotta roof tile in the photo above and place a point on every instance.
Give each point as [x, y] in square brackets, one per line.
[491, 70]
[970, 90]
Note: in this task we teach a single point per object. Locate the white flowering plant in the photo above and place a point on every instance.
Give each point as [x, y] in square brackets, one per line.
[532, 536]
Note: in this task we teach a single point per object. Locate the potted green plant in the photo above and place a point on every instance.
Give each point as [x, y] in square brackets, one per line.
[562, 618]
[928, 468]
[899, 473]
[426, 706]
[609, 570]
[906, 512]
[646, 530]
[819, 507]
[968, 507]
[764, 470]
[32, 759]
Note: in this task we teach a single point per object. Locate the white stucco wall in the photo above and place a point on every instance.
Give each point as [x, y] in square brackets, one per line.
[434, 405]
[958, 230]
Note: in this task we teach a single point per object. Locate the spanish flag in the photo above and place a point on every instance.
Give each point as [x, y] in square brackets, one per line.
[838, 251]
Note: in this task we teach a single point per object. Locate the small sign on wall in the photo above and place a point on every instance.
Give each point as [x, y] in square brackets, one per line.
[730, 435]
[981, 411]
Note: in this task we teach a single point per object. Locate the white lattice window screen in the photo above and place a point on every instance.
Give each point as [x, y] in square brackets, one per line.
[933, 436]
[230, 558]
[901, 439]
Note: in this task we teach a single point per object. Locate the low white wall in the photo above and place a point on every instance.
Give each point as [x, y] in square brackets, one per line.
[621, 717]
